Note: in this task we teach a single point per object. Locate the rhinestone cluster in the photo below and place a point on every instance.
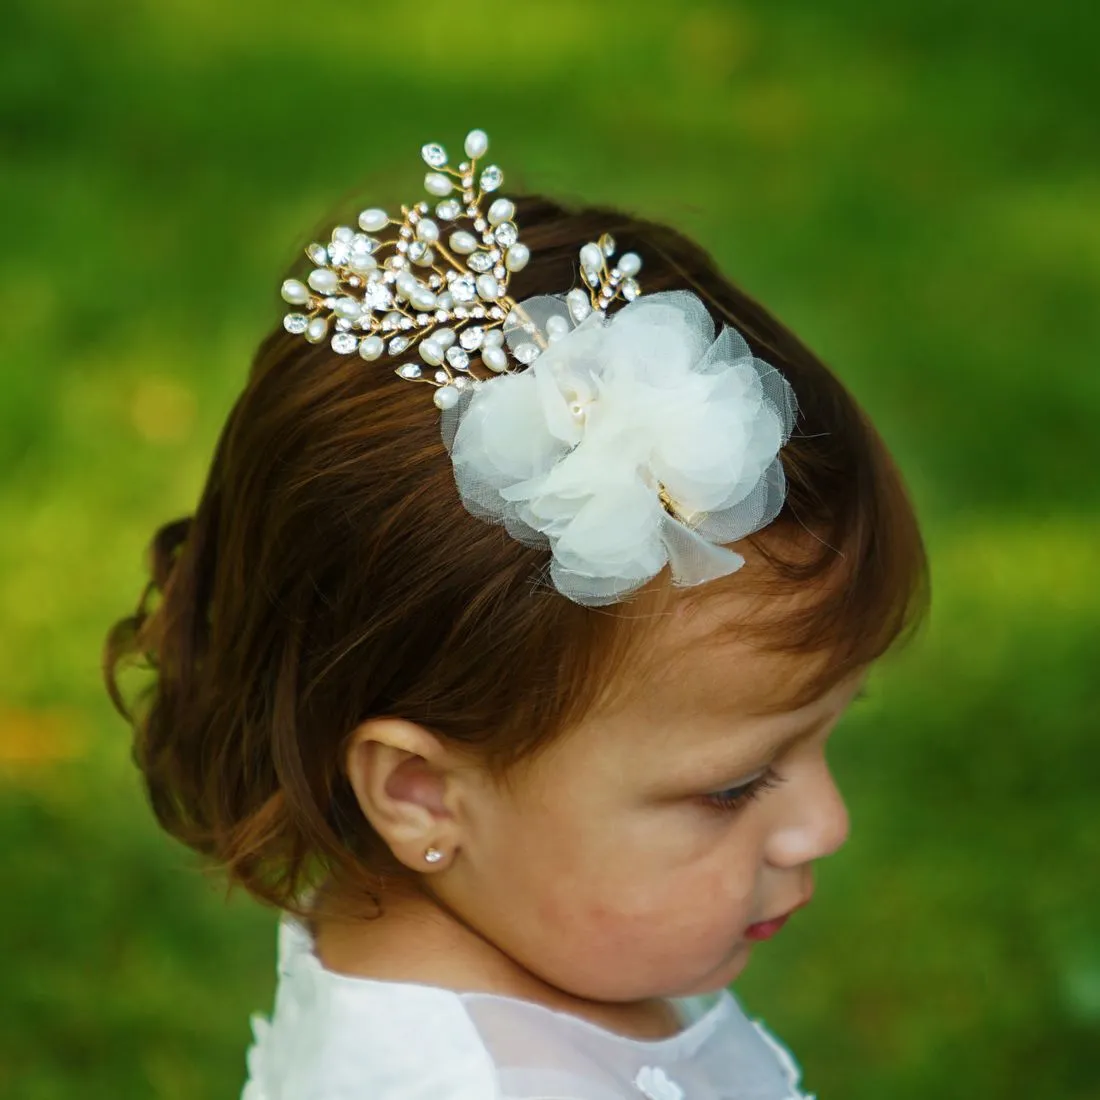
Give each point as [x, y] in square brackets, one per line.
[439, 285]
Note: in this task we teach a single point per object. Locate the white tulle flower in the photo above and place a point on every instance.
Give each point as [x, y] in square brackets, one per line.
[630, 443]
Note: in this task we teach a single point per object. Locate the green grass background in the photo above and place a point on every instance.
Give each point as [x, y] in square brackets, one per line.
[912, 186]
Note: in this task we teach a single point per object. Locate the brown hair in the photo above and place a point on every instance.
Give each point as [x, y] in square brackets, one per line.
[330, 574]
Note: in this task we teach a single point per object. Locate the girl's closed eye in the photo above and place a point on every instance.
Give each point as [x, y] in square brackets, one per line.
[733, 798]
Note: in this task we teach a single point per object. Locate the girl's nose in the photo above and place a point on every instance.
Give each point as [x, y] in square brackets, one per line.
[817, 824]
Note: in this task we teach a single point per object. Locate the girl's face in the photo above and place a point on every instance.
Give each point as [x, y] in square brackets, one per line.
[609, 875]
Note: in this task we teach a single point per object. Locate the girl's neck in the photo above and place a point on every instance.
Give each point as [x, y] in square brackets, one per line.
[415, 940]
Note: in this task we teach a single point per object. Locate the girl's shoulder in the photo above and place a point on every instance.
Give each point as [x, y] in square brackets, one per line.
[337, 1037]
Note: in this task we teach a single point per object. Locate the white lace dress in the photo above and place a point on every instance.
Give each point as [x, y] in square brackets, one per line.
[335, 1037]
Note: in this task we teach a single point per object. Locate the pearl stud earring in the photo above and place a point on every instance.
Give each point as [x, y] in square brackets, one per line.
[433, 855]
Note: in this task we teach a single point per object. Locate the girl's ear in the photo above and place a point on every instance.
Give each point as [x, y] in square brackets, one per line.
[401, 776]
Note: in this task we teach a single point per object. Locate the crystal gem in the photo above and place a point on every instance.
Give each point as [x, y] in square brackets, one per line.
[478, 311]
[296, 323]
[631, 289]
[406, 322]
[345, 343]
[491, 178]
[343, 324]
[434, 155]
[472, 338]
[497, 312]
[406, 231]
[318, 254]
[442, 376]
[500, 271]
[458, 358]
[409, 370]
[526, 353]
[402, 246]
[377, 296]
[590, 276]
[607, 243]
[339, 253]
[506, 234]
[464, 289]
[448, 209]
[417, 250]
[480, 261]
[398, 344]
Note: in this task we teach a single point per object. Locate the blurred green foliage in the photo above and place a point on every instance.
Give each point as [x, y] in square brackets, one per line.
[912, 186]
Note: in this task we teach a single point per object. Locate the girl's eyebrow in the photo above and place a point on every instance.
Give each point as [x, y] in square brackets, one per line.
[792, 737]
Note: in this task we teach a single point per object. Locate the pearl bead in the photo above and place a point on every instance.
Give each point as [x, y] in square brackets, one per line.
[362, 262]
[435, 183]
[487, 287]
[501, 211]
[630, 263]
[462, 242]
[324, 280]
[405, 282]
[494, 359]
[556, 327]
[427, 230]
[347, 307]
[431, 353]
[477, 144]
[371, 347]
[295, 292]
[446, 397]
[592, 256]
[444, 337]
[316, 330]
[373, 219]
[515, 259]
[422, 298]
[493, 338]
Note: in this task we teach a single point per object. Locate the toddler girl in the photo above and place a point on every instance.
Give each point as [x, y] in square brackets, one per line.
[515, 700]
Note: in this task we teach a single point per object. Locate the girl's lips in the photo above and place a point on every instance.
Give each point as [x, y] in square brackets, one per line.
[765, 929]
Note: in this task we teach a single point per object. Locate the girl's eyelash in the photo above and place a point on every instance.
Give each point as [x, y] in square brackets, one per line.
[733, 798]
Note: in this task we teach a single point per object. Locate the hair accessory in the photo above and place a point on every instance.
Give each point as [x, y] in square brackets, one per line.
[433, 855]
[622, 444]
[441, 287]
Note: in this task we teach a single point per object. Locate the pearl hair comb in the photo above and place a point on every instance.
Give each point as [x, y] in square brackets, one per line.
[439, 285]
